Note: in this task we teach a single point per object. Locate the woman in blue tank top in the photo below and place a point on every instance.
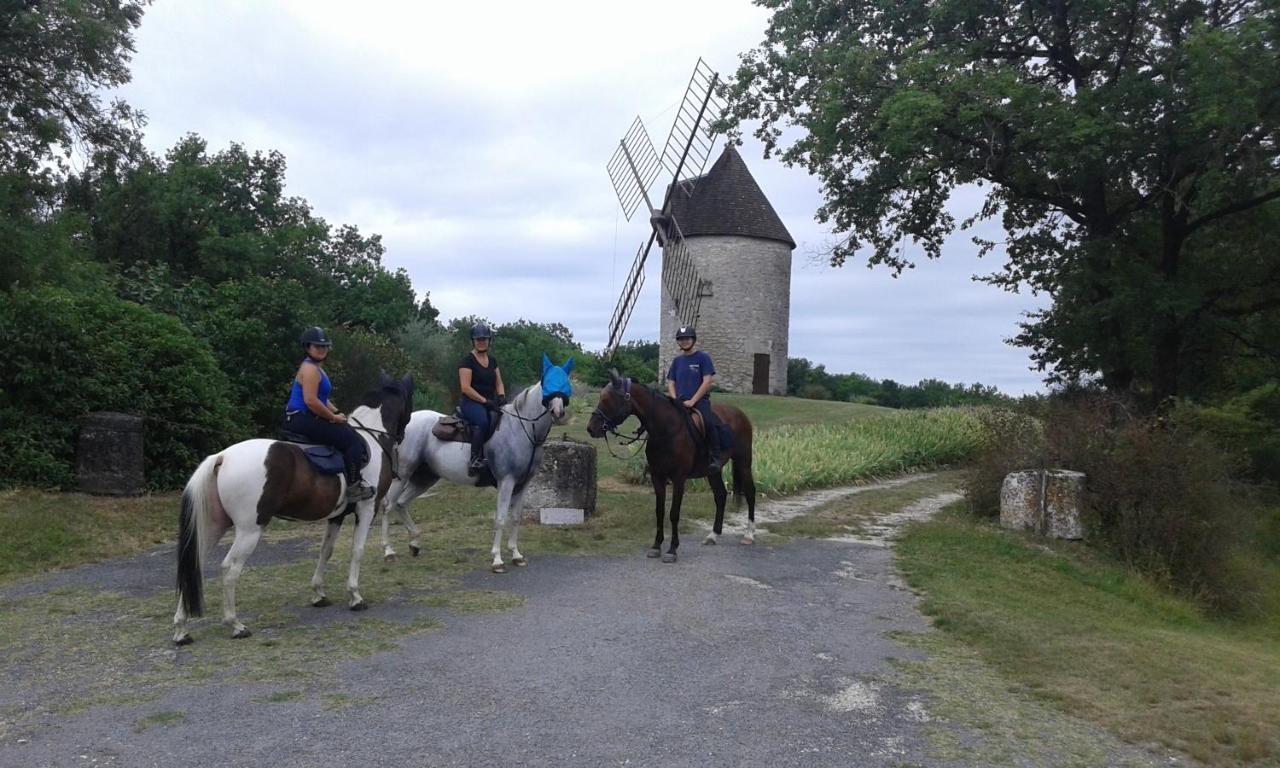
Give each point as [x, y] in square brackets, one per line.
[310, 413]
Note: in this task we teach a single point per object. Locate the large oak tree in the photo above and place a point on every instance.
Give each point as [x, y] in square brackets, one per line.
[1129, 148]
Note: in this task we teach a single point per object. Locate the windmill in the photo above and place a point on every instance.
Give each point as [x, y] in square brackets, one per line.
[633, 169]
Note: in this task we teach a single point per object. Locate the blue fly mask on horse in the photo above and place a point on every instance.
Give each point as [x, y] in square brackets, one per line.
[555, 380]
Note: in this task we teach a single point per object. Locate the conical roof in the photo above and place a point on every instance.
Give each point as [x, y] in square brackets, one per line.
[728, 201]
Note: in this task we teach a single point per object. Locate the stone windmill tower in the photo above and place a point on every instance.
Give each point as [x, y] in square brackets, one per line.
[742, 253]
[726, 256]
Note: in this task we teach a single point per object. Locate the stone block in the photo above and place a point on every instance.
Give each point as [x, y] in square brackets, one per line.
[566, 480]
[109, 457]
[1045, 502]
[1020, 500]
[561, 516]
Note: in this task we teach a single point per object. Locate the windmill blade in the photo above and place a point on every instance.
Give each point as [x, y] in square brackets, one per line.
[627, 299]
[633, 168]
[691, 140]
[680, 277]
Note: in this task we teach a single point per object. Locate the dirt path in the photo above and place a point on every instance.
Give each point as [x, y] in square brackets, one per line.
[783, 654]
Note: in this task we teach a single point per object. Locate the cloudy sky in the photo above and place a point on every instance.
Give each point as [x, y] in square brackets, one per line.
[474, 137]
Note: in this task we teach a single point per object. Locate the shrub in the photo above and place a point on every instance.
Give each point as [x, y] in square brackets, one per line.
[69, 354]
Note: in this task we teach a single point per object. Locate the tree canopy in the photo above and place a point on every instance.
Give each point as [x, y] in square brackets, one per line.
[1128, 148]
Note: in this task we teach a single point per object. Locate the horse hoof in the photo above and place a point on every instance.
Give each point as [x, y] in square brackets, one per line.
[415, 551]
[711, 539]
[653, 552]
[669, 557]
[241, 633]
[499, 569]
[321, 602]
[519, 562]
[185, 639]
[747, 540]
[390, 557]
[360, 605]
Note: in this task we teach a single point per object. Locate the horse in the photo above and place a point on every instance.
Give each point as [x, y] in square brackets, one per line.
[675, 454]
[514, 454]
[254, 481]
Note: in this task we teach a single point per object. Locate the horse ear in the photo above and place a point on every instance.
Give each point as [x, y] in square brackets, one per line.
[407, 385]
[546, 363]
[568, 366]
[384, 380]
[614, 378]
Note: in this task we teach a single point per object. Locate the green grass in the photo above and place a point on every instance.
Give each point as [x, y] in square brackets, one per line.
[159, 719]
[1100, 642]
[47, 531]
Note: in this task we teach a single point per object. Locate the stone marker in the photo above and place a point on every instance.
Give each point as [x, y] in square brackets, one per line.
[561, 516]
[109, 458]
[1045, 502]
[566, 481]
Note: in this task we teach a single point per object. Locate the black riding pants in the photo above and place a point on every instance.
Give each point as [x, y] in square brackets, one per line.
[340, 436]
[710, 423]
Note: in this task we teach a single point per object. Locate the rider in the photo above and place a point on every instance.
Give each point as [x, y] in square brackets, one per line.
[310, 413]
[689, 380]
[480, 382]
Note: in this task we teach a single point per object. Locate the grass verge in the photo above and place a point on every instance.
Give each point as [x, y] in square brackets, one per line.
[1100, 642]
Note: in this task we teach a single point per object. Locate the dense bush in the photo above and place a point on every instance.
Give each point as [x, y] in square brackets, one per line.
[1159, 493]
[69, 354]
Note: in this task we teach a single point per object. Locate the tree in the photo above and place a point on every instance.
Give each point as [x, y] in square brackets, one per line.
[56, 57]
[1120, 143]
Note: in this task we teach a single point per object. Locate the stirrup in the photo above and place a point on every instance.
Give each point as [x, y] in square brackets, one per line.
[359, 491]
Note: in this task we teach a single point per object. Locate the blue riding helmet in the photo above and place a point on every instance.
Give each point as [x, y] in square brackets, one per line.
[555, 380]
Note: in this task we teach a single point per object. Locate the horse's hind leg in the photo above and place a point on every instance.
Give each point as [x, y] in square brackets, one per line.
[320, 600]
[180, 634]
[242, 546]
[744, 484]
[720, 494]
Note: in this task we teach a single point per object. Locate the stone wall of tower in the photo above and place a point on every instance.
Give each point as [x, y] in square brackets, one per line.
[747, 313]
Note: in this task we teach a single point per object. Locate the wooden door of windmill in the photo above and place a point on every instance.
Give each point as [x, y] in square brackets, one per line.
[760, 376]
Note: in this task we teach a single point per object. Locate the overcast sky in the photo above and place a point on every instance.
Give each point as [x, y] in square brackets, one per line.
[474, 137]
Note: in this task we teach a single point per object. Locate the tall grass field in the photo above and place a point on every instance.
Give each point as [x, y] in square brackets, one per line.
[795, 457]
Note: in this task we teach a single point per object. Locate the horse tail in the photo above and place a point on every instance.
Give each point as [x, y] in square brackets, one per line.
[198, 500]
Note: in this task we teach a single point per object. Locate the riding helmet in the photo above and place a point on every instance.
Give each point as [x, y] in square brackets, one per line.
[316, 336]
[686, 332]
[480, 331]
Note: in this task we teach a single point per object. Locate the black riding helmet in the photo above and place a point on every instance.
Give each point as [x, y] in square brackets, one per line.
[316, 336]
[480, 331]
[686, 332]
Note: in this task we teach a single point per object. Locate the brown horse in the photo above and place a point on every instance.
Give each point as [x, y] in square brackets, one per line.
[676, 452]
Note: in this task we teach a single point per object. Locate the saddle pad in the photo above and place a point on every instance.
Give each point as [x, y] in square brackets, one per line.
[326, 459]
[452, 429]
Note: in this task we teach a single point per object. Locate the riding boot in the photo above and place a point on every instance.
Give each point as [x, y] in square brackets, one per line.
[713, 448]
[477, 451]
[357, 488]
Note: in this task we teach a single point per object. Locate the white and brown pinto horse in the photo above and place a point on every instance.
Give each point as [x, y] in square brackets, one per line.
[255, 481]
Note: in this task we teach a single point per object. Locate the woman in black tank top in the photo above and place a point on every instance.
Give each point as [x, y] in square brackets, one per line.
[480, 382]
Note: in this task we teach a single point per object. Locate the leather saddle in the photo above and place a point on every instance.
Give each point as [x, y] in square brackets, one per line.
[325, 459]
[453, 429]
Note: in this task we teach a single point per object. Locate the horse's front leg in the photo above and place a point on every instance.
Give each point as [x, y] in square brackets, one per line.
[245, 542]
[721, 494]
[364, 518]
[320, 600]
[515, 515]
[677, 495]
[389, 507]
[506, 490]
[660, 510]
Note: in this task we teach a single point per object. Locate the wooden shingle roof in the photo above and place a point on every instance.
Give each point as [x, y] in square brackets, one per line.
[728, 201]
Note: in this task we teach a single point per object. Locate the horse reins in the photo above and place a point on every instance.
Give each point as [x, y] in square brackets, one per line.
[392, 458]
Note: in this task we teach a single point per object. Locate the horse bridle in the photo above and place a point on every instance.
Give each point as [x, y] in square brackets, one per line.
[611, 423]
